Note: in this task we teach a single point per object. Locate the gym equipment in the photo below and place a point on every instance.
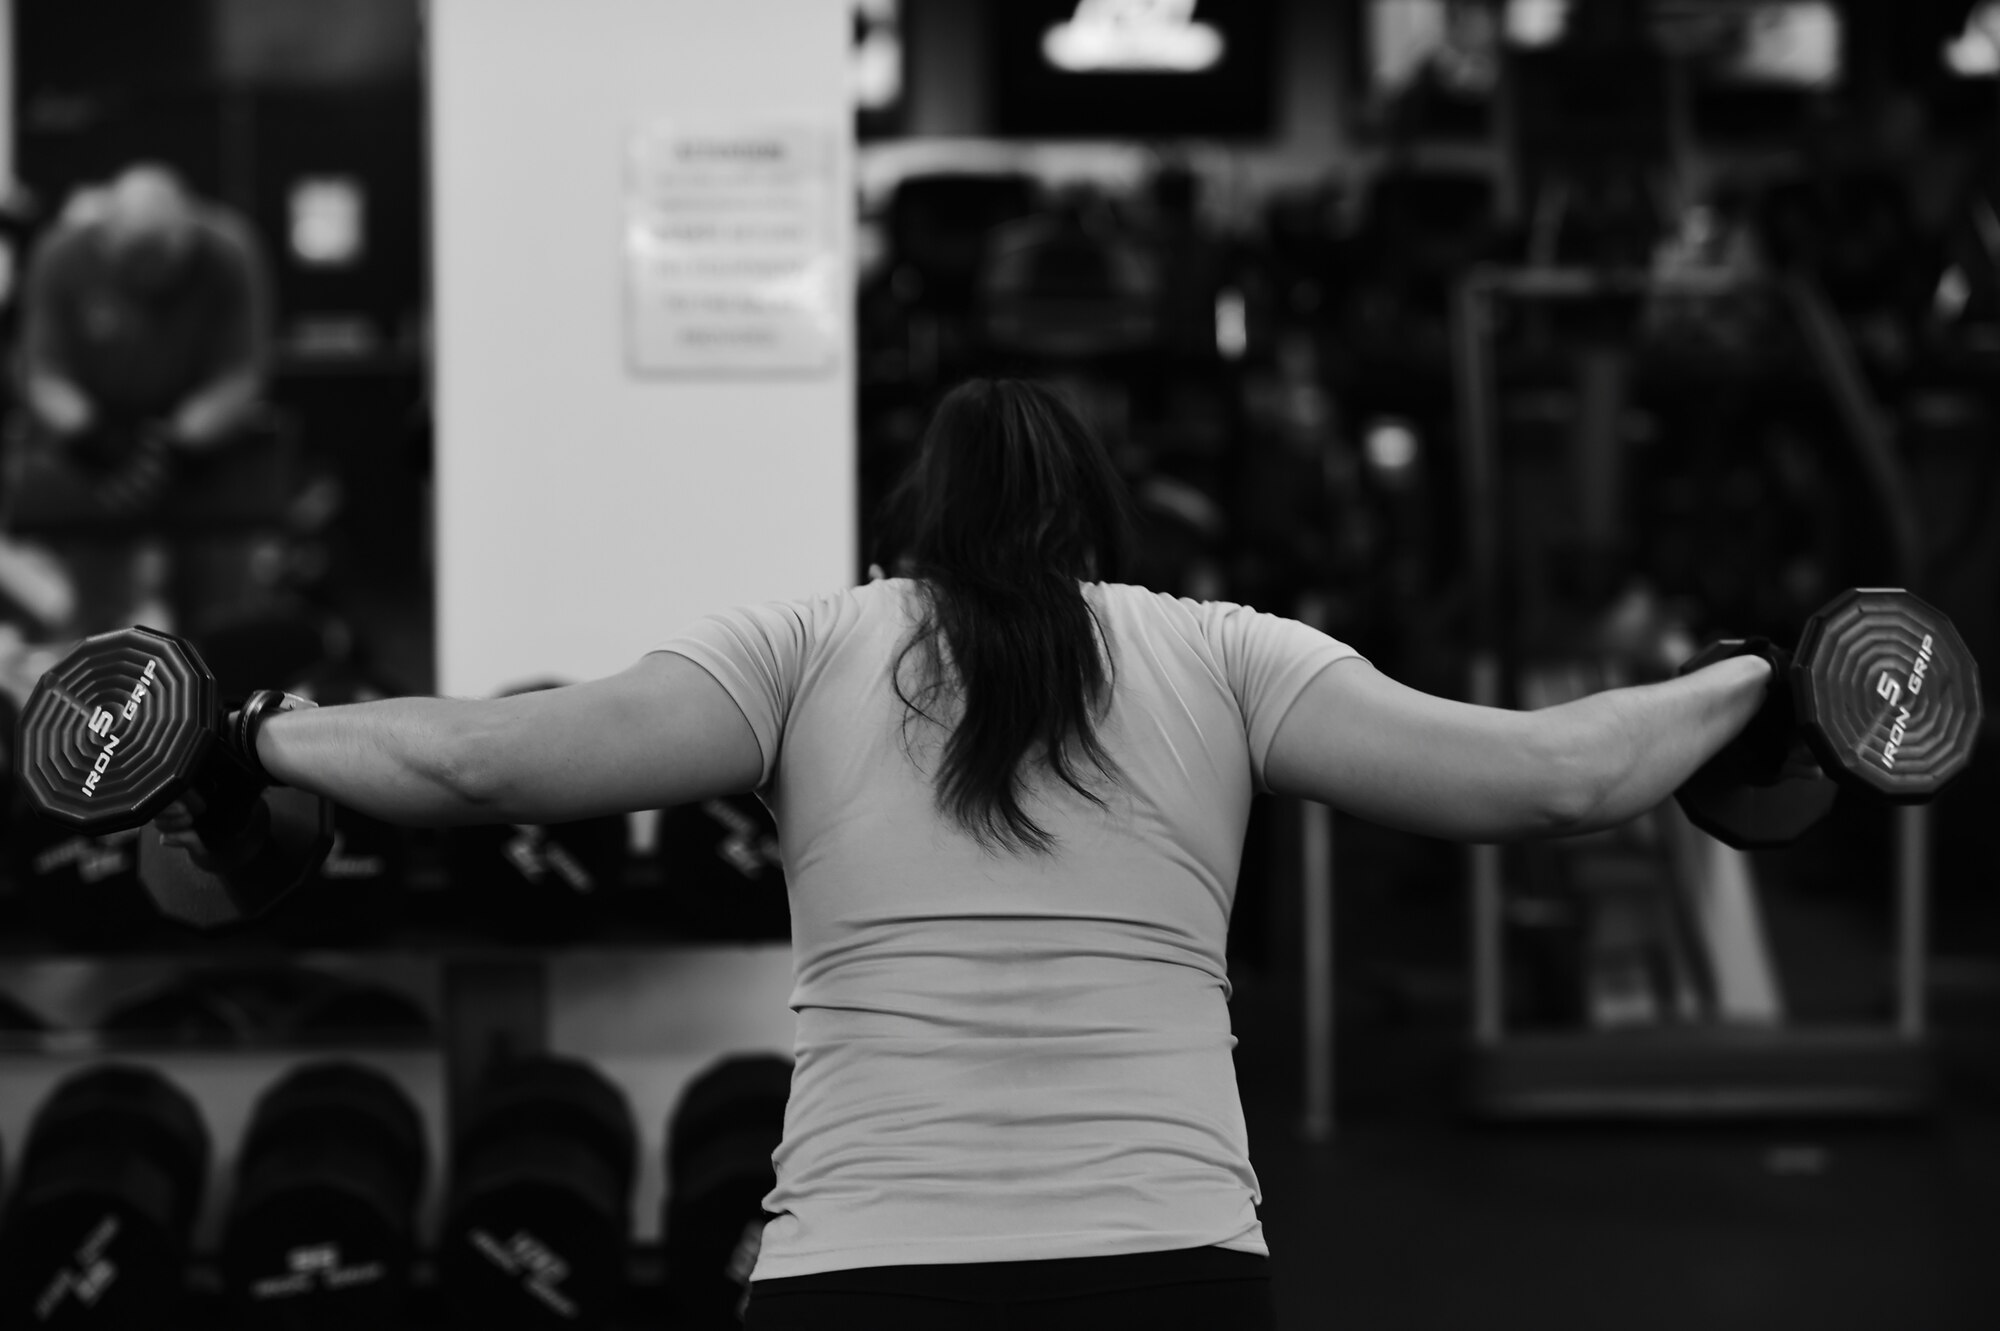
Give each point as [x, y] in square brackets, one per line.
[1057, 285]
[96, 1233]
[539, 1212]
[939, 226]
[1881, 691]
[720, 1139]
[75, 887]
[352, 1013]
[123, 726]
[1764, 788]
[1736, 1068]
[720, 862]
[531, 881]
[356, 895]
[80, 890]
[183, 1013]
[1890, 693]
[225, 1005]
[321, 1227]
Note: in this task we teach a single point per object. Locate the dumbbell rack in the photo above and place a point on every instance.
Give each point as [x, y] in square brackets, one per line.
[1708, 1070]
[488, 1000]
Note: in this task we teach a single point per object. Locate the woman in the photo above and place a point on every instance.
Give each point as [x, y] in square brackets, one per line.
[1011, 795]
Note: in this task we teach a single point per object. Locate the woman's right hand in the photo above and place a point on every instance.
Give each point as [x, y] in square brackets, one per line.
[175, 823]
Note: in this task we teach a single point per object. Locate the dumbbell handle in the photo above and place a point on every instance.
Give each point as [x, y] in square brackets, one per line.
[1760, 750]
[240, 727]
[232, 814]
[231, 779]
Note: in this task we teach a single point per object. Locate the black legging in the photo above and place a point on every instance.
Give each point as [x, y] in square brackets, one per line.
[1196, 1289]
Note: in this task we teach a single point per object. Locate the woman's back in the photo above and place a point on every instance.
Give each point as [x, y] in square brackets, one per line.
[1004, 1054]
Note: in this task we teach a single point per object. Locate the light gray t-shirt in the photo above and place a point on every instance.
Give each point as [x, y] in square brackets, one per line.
[1009, 1057]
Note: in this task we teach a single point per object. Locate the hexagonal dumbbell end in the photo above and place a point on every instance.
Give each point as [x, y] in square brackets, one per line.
[1888, 693]
[125, 725]
[116, 730]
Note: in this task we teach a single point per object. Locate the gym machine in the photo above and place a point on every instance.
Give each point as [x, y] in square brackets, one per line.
[1700, 1068]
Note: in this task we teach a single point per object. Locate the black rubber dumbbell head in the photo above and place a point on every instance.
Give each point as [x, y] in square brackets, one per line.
[115, 731]
[97, 1230]
[1888, 693]
[321, 1226]
[539, 1215]
[125, 724]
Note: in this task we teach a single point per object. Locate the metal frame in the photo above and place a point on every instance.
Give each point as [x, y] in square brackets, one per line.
[1316, 1119]
[1880, 1059]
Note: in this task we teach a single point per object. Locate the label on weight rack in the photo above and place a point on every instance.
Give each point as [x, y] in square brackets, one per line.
[528, 1258]
[342, 862]
[534, 856]
[316, 1267]
[95, 858]
[87, 1278]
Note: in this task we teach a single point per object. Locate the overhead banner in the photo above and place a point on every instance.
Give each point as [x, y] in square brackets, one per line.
[733, 261]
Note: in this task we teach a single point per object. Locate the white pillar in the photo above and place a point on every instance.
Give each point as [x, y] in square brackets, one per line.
[585, 510]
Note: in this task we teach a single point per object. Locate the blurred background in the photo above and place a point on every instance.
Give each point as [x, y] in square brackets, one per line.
[1523, 344]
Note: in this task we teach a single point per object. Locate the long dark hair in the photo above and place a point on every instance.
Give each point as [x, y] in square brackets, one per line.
[1011, 502]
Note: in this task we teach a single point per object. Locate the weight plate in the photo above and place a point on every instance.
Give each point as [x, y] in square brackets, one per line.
[115, 729]
[533, 1252]
[188, 893]
[736, 1093]
[1756, 817]
[1887, 692]
[112, 1107]
[555, 1096]
[90, 1257]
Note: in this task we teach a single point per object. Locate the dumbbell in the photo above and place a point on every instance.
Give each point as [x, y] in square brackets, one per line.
[240, 1004]
[126, 724]
[538, 1217]
[722, 871]
[534, 882]
[720, 1140]
[76, 888]
[96, 1233]
[322, 1222]
[309, 655]
[356, 895]
[360, 1013]
[1884, 700]
[80, 890]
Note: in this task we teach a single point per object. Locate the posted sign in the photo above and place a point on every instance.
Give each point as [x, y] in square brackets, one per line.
[732, 252]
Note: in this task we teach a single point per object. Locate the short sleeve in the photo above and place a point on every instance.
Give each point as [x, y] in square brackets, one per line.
[758, 654]
[1267, 661]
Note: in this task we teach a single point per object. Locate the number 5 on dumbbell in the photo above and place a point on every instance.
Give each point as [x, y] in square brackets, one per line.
[1883, 699]
[127, 724]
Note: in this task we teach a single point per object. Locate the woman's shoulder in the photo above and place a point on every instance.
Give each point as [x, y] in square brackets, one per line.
[1166, 607]
[880, 605]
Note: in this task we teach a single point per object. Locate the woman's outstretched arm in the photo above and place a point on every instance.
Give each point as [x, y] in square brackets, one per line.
[660, 733]
[1360, 741]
